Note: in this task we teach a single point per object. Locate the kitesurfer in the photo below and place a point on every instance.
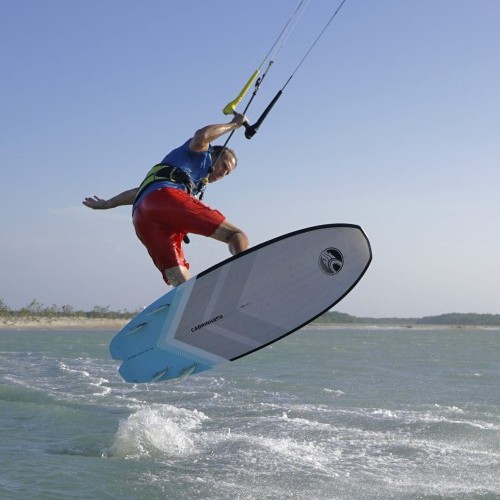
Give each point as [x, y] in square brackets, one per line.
[165, 207]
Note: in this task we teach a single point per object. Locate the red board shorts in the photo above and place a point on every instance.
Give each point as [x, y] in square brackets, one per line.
[164, 217]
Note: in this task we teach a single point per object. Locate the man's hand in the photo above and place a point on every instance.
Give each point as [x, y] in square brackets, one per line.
[96, 203]
[239, 119]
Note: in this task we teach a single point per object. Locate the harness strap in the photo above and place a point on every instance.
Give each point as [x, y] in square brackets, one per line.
[165, 172]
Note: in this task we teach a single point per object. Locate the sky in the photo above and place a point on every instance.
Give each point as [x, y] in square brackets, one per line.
[392, 123]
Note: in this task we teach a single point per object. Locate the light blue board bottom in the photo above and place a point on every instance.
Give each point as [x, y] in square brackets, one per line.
[243, 304]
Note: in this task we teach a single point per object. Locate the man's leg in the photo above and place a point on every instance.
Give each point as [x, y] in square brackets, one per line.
[228, 233]
[236, 239]
[177, 275]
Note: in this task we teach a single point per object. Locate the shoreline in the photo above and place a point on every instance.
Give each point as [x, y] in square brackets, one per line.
[62, 323]
[84, 323]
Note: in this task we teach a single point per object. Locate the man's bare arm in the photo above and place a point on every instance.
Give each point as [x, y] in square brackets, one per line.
[125, 198]
[204, 136]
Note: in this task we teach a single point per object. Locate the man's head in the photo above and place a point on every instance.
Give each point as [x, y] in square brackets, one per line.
[224, 161]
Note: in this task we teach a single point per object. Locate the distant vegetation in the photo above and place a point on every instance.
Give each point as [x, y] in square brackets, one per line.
[36, 309]
[454, 319]
[461, 319]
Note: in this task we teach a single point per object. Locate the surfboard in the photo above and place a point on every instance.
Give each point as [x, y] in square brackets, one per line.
[243, 304]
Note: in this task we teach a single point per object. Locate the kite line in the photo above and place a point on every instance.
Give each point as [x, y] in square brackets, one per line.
[230, 108]
[251, 130]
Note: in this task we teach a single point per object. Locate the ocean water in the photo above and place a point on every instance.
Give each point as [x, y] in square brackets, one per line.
[372, 413]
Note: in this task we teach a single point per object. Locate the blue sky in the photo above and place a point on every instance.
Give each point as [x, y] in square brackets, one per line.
[392, 123]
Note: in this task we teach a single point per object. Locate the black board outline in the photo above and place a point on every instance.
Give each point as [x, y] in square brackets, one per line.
[283, 237]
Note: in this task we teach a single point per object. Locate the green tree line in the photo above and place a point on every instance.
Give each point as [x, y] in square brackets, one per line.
[453, 319]
[36, 309]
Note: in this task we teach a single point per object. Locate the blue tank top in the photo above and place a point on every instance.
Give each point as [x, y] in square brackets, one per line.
[195, 164]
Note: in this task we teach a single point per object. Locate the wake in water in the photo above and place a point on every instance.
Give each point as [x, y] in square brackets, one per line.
[159, 431]
[358, 423]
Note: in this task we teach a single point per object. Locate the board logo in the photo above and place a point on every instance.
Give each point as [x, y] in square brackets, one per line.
[206, 323]
[331, 261]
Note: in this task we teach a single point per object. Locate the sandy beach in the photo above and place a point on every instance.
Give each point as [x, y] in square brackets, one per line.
[61, 323]
[84, 323]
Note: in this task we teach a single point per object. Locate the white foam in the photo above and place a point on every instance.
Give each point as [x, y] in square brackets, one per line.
[78, 371]
[297, 454]
[334, 392]
[164, 430]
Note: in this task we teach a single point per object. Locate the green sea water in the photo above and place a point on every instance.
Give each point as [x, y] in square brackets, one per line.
[389, 413]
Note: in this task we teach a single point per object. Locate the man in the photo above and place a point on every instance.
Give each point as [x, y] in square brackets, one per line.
[165, 209]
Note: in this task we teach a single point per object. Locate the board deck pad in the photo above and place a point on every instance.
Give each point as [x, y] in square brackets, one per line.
[243, 304]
